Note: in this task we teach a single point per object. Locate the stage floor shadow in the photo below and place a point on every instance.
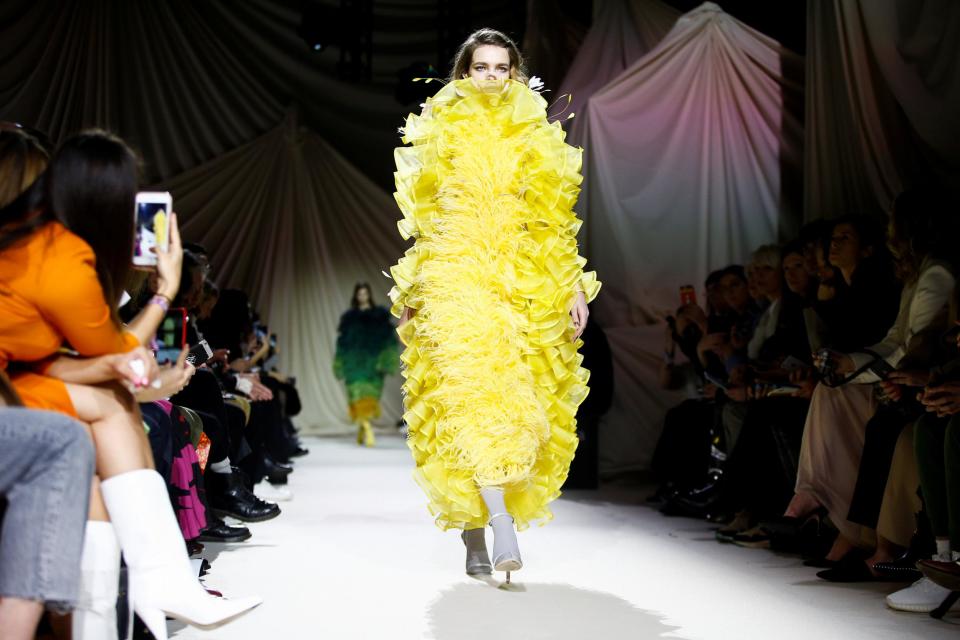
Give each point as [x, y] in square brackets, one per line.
[534, 611]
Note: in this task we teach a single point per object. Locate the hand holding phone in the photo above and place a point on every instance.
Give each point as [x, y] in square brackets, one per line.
[152, 214]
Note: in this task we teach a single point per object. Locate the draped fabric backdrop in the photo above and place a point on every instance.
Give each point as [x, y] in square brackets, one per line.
[691, 159]
[302, 227]
[883, 98]
[187, 81]
[623, 31]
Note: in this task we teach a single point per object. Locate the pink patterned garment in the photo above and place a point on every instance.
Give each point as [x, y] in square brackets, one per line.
[190, 511]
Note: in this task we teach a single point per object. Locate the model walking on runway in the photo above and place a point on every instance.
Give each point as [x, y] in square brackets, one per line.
[367, 351]
[492, 299]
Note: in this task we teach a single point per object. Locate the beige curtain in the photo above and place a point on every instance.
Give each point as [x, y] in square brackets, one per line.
[692, 155]
[183, 81]
[290, 221]
[883, 94]
[623, 31]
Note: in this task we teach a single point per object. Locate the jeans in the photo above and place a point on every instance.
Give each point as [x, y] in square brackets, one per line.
[46, 465]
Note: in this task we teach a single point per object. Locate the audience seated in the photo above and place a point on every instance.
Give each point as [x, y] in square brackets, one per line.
[834, 404]
[66, 241]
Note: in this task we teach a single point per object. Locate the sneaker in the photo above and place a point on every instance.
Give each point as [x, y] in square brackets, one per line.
[272, 492]
[923, 596]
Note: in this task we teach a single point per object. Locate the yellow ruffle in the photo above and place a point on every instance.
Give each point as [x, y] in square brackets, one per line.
[492, 378]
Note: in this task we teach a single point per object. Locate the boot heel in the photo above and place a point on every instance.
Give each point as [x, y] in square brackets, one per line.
[155, 621]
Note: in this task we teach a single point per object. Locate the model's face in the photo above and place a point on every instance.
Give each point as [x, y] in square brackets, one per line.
[363, 296]
[490, 63]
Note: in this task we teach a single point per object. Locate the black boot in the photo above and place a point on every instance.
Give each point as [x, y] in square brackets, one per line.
[276, 473]
[219, 531]
[229, 497]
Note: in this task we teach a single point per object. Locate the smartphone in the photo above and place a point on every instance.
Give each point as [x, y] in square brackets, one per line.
[172, 335]
[152, 226]
[199, 354]
[688, 295]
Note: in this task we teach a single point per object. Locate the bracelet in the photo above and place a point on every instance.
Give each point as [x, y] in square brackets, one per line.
[161, 301]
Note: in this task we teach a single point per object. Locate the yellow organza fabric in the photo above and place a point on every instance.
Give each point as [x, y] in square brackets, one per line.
[492, 377]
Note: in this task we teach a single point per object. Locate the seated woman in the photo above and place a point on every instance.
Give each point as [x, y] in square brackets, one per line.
[46, 465]
[835, 432]
[65, 249]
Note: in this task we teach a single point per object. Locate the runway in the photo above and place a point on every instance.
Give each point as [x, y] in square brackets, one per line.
[355, 555]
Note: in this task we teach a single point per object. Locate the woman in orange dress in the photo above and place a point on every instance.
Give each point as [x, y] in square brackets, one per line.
[66, 247]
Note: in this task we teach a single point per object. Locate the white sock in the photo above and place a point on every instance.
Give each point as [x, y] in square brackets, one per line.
[493, 498]
[943, 549]
[222, 467]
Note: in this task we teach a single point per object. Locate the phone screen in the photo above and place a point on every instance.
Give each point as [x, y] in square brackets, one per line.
[172, 335]
[152, 231]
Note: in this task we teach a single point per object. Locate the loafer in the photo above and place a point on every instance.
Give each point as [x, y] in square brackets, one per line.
[903, 569]
[852, 568]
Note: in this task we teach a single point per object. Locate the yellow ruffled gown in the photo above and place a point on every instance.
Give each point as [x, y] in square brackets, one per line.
[492, 377]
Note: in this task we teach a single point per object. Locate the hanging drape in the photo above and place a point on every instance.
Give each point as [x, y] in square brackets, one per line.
[691, 159]
[186, 81]
[288, 220]
[623, 31]
[883, 94]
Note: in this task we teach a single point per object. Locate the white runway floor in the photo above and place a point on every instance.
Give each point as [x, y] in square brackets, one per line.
[355, 555]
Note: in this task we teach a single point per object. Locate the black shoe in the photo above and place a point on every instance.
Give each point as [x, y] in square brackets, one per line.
[299, 451]
[902, 569]
[690, 508]
[229, 497]
[276, 473]
[852, 568]
[219, 531]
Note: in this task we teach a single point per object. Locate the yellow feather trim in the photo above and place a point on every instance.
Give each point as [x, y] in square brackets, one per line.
[492, 378]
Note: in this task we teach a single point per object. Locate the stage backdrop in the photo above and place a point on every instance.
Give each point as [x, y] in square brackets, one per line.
[623, 31]
[883, 101]
[291, 222]
[693, 158]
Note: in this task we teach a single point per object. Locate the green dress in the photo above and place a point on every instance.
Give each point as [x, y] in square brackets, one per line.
[367, 351]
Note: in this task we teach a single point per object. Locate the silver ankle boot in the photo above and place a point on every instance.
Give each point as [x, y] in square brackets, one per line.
[478, 562]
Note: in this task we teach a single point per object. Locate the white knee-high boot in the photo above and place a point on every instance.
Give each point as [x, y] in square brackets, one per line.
[95, 617]
[506, 550]
[161, 580]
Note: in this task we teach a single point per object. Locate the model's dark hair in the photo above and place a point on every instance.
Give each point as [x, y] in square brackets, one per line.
[354, 303]
[464, 56]
[91, 190]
